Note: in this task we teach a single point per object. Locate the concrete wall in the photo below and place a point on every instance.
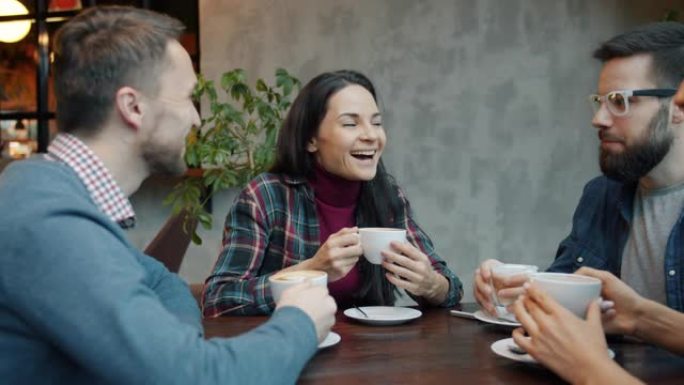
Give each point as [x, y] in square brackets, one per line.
[484, 102]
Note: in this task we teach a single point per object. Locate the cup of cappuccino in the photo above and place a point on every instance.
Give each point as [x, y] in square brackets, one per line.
[572, 291]
[376, 239]
[283, 280]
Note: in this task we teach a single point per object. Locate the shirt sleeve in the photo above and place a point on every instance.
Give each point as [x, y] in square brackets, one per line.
[172, 291]
[420, 239]
[82, 288]
[235, 285]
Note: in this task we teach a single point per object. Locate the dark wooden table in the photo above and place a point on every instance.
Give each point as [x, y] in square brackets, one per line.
[439, 348]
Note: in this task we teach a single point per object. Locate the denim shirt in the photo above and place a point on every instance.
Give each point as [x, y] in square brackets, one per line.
[600, 229]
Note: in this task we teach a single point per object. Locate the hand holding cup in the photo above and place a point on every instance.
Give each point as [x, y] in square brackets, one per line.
[410, 269]
[627, 304]
[308, 291]
[338, 255]
[506, 280]
[570, 346]
[482, 288]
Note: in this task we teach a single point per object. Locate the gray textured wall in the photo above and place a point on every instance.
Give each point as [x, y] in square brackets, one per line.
[484, 102]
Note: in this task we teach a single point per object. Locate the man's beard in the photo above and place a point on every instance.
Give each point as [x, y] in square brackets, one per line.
[640, 158]
[162, 159]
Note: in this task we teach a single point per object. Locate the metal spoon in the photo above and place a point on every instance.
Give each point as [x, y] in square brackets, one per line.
[513, 348]
[361, 311]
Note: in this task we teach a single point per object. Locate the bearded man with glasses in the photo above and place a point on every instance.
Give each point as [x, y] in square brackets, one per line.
[629, 221]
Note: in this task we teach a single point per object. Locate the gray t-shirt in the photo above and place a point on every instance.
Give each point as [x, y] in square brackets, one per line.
[655, 213]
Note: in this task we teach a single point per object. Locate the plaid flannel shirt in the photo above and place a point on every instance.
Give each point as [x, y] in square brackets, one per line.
[273, 225]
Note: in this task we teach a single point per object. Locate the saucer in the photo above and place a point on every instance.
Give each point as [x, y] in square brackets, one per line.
[330, 340]
[484, 317]
[500, 347]
[383, 315]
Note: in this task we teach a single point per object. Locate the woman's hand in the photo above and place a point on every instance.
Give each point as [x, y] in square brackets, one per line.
[410, 269]
[573, 348]
[338, 255]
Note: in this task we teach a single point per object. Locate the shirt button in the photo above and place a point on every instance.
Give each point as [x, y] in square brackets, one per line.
[580, 259]
[672, 272]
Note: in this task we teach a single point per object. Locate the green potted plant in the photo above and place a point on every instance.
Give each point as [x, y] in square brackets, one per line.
[235, 142]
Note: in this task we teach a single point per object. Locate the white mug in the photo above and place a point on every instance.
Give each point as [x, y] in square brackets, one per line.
[376, 239]
[572, 291]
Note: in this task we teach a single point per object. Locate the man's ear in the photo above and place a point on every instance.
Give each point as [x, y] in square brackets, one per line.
[130, 106]
[679, 97]
[677, 113]
[312, 146]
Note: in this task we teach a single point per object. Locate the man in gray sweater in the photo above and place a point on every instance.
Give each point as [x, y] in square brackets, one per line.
[78, 303]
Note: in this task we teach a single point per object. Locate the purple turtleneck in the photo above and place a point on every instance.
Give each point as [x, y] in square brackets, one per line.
[336, 200]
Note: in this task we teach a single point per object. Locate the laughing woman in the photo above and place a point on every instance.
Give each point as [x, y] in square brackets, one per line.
[328, 180]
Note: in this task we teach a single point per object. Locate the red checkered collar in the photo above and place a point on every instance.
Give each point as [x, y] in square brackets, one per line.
[103, 189]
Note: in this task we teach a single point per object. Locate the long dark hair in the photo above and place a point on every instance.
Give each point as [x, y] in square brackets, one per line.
[379, 204]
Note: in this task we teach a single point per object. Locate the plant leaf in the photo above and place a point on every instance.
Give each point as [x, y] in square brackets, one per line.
[247, 123]
[261, 85]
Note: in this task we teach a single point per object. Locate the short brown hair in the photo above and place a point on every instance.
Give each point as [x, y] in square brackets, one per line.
[101, 50]
[664, 41]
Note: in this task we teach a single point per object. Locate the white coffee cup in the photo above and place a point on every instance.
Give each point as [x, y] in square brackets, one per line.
[284, 280]
[572, 291]
[376, 239]
[504, 271]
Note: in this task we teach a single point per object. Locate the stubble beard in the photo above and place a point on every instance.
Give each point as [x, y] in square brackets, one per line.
[164, 158]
